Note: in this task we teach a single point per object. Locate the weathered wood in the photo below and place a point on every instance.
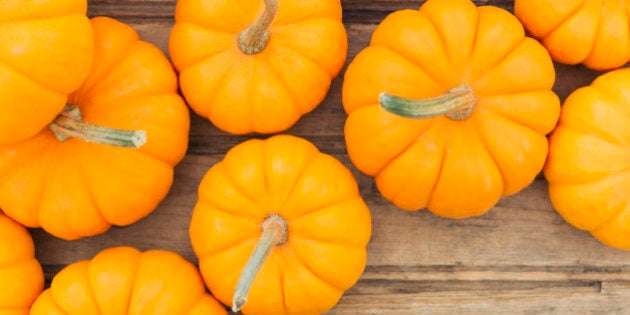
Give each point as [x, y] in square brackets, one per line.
[521, 257]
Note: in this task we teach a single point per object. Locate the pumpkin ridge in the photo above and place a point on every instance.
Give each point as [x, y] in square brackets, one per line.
[88, 184]
[412, 143]
[211, 203]
[444, 150]
[486, 148]
[206, 107]
[203, 59]
[39, 18]
[602, 20]
[37, 82]
[564, 20]
[91, 285]
[285, 87]
[441, 36]
[307, 161]
[494, 65]
[238, 188]
[578, 124]
[302, 262]
[279, 45]
[438, 80]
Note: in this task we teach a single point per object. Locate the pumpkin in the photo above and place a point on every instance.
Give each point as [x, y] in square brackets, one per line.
[46, 49]
[108, 158]
[449, 107]
[257, 66]
[589, 158]
[21, 276]
[595, 33]
[279, 228]
[123, 280]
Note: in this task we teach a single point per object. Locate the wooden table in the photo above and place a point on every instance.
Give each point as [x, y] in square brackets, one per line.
[521, 257]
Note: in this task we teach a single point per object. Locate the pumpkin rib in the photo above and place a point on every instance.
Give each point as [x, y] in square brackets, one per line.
[444, 150]
[303, 263]
[239, 242]
[431, 76]
[500, 61]
[35, 82]
[598, 32]
[238, 188]
[88, 184]
[39, 18]
[486, 148]
[30, 78]
[202, 57]
[565, 19]
[307, 161]
[401, 152]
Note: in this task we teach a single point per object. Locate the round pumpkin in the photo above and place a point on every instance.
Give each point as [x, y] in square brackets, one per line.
[282, 218]
[80, 176]
[46, 49]
[123, 280]
[589, 158]
[21, 276]
[449, 107]
[257, 66]
[595, 33]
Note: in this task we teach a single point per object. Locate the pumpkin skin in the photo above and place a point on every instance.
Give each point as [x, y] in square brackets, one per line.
[455, 168]
[123, 280]
[76, 188]
[589, 157]
[595, 33]
[21, 276]
[266, 92]
[46, 52]
[329, 226]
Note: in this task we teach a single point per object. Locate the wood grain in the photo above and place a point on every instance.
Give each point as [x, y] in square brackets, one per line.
[521, 257]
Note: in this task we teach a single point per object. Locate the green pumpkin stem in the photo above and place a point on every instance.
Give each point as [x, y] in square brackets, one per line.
[254, 38]
[275, 231]
[457, 104]
[70, 124]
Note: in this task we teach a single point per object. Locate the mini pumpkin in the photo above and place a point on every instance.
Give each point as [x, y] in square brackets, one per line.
[257, 66]
[80, 176]
[123, 280]
[21, 276]
[589, 158]
[595, 33]
[46, 49]
[449, 107]
[280, 218]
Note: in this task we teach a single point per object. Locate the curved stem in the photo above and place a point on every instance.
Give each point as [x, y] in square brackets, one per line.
[254, 38]
[457, 104]
[275, 232]
[69, 124]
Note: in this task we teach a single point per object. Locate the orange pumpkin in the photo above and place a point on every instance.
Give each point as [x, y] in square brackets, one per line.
[123, 280]
[589, 158]
[595, 33]
[449, 106]
[281, 200]
[46, 49]
[21, 276]
[254, 66]
[77, 178]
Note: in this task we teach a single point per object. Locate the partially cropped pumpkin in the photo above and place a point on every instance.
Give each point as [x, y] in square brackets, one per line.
[254, 65]
[449, 107]
[281, 200]
[123, 280]
[45, 53]
[589, 159]
[77, 178]
[21, 276]
[595, 32]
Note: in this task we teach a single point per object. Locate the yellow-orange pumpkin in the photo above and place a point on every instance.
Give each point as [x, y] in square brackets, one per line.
[123, 280]
[21, 276]
[46, 49]
[589, 159]
[249, 74]
[283, 198]
[449, 107]
[74, 187]
[595, 33]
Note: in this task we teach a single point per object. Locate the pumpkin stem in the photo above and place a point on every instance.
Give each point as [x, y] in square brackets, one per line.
[275, 232]
[457, 104]
[70, 124]
[254, 38]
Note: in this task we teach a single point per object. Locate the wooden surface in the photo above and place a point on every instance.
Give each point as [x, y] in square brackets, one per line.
[521, 257]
